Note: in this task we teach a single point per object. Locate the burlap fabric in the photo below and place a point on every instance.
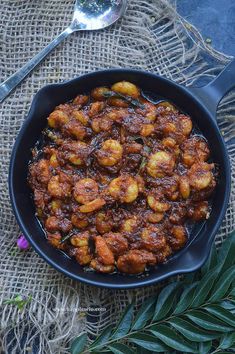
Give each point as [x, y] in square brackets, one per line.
[150, 37]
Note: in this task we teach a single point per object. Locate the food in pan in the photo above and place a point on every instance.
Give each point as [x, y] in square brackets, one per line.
[116, 179]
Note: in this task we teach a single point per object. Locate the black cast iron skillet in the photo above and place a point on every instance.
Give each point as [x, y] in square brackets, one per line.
[200, 104]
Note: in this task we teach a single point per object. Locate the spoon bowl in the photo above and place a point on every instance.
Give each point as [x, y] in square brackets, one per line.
[95, 15]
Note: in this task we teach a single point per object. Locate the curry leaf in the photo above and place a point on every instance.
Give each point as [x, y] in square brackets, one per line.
[118, 348]
[204, 347]
[148, 342]
[211, 262]
[124, 323]
[103, 337]
[222, 285]
[192, 332]
[165, 300]
[204, 287]
[144, 314]
[185, 299]
[227, 340]
[226, 253]
[172, 339]
[79, 344]
[222, 314]
[207, 321]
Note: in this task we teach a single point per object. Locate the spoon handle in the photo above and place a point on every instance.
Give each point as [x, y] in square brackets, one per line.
[10, 84]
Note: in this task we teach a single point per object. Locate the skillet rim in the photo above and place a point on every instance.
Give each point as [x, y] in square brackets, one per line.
[140, 282]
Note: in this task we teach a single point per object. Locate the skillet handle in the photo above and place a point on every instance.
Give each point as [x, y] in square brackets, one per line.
[212, 93]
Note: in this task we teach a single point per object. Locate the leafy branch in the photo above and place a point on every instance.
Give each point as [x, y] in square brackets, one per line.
[194, 315]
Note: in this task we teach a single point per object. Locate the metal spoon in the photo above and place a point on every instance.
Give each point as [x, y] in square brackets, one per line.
[89, 16]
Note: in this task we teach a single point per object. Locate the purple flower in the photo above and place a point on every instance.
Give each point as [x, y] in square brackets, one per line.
[22, 243]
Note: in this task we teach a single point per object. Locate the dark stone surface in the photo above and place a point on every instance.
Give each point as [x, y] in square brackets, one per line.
[215, 19]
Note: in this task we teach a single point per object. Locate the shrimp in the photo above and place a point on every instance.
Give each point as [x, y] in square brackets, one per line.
[83, 255]
[178, 237]
[124, 188]
[157, 202]
[81, 117]
[110, 153]
[98, 93]
[80, 240]
[57, 119]
[126, 88]
[54, 223]
[147, 129]
[59, 186]
[118, 102]
[200, 175]
[40, 172]
[85, 190]
[79, 221]
[100, 267]
[116, 242]
[94, 205]
[99, 124]
[80, 100]
[103, 252]
[155, 218]
[184, 187]
[199, 211]
[74, 152]
[96, 108]
[185, 124]
[55, 240]
[152, 238]
[103, 223]
[130, 225]
[193, 150]
[75, 129]
[160, 164]
[135, 261]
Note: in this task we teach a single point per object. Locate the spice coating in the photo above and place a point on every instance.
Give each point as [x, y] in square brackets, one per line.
[118, 177]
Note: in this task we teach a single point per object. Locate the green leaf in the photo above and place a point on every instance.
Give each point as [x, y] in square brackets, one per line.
[124, 323]
[148, 342]
[19, 301]
[203, 288]
[222, 314]
[119, 348]
[228, 305]
[192, 332]
[204, 347]
[165, 300]
[227, 340]
[211, 262]
[226, 253]
[223, 352]
[222, 285]
[185, 299]
[78, 344]
[207, 321]
[103, 337]
[140, 350]
[144, 314]
[172, 339]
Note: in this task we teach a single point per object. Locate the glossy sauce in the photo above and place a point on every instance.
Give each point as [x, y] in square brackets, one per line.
[116, 179]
